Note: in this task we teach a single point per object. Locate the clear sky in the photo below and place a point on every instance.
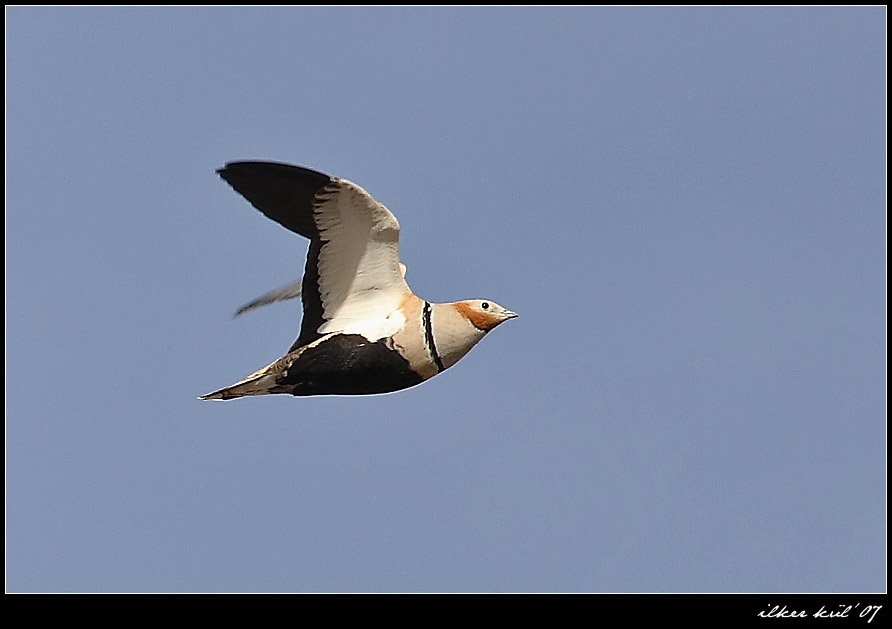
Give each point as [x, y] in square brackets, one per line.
[686, 207]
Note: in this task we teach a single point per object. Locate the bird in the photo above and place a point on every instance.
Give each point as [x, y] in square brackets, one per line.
[363, 330]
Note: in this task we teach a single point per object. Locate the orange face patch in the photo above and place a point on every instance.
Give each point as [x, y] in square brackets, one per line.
[485, 321]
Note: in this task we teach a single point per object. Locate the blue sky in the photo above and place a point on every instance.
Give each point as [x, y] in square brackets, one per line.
[686, 207]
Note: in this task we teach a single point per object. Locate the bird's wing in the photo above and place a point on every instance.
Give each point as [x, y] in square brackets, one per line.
[353, 281]
[283, 293]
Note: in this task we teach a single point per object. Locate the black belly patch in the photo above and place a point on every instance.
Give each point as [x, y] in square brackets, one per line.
[350, 364]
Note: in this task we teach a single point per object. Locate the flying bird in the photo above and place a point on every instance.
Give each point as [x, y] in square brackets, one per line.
[363, 330]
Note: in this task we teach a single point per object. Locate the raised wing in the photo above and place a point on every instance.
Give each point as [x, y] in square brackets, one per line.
[353, 280]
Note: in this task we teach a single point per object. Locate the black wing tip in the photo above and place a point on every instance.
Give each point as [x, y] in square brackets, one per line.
[283, 192]
[258, 167]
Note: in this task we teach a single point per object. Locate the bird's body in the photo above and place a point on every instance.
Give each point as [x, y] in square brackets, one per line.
[363, 330]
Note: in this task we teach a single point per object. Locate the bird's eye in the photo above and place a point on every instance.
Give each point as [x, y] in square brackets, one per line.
[485, 305]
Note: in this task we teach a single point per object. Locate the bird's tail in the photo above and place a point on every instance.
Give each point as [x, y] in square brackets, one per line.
[261, 382]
